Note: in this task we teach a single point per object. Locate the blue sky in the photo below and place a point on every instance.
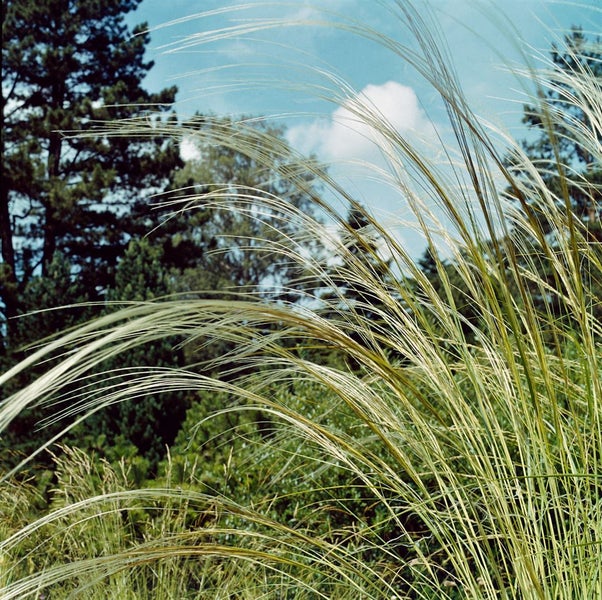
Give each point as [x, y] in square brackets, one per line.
[479, 34]
[279, 71]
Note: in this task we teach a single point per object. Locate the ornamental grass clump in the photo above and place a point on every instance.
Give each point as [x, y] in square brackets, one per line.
[425, 433]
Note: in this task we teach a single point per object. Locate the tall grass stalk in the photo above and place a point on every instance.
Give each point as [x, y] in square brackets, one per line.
[480, 440]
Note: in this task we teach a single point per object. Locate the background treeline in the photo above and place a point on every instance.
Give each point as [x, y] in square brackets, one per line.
[82, 220]
[95, 219]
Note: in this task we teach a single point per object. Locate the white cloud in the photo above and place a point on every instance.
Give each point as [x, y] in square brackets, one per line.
[189, 149]
[350, 141]
[352, 131]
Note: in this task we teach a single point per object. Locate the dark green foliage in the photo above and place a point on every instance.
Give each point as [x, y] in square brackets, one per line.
[149, 423]
[563, 105]
[447, 283]
[357, 276]
[212, 435]
[227, 222]
[40, 294]
[65, 202]
[361, 242]
[562, 148]
[141, 274]
[67, 64]
[241, 452]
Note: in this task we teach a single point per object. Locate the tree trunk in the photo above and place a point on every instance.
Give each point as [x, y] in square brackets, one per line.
[50, 205]
[8, 275]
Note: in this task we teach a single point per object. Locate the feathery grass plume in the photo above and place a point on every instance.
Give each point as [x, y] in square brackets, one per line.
[439, 457]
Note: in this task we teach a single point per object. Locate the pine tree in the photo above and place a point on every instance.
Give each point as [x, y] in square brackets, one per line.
[564, 148]
[561, 144]
[152, 422]
[67, 64]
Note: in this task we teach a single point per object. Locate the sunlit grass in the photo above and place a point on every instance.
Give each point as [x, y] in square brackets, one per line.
[433, 457]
